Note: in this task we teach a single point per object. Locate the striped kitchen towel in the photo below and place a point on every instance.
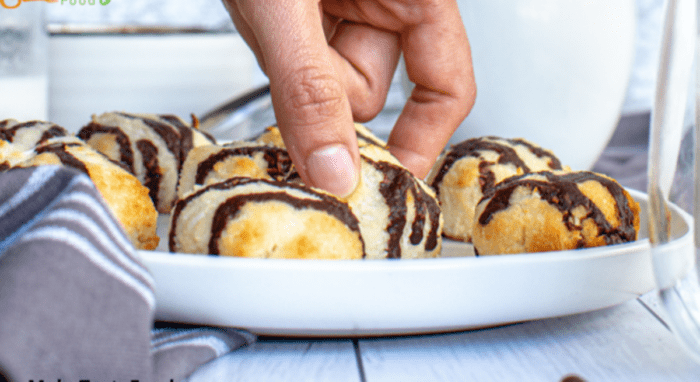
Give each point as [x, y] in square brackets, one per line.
[76, 304]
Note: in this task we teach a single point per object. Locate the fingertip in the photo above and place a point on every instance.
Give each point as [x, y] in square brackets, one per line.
[333, 169]
[416, 163]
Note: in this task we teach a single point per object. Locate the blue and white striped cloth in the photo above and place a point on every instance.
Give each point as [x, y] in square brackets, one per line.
[75, 301]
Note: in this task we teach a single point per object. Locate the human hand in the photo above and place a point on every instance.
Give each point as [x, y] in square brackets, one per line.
[330, 62]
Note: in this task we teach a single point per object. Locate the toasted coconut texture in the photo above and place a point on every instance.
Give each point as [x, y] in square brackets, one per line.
[26, 135]
[211, 164]
[153, 147]
[549, 211]
[11, 155]
[261, 218]
[400, 217]
[464, 172]
[125, 196]
[272, 137]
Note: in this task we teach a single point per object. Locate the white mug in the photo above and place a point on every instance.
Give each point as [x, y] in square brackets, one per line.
[553, 72]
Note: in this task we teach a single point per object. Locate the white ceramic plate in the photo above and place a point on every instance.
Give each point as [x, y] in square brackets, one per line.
[359, 298]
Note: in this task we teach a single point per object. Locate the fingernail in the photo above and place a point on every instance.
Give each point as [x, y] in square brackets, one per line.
[331, 168]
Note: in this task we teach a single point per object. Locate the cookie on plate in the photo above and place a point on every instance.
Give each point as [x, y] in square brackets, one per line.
[400, 217]
[213, 163]
[398, 214]
[26, 135]
[11, 155]
[153, 147]
[548, 211]
[261, 218]
[464, 172]
[124, 195]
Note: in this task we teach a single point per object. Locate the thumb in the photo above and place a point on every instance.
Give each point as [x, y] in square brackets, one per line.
[315, 120]
[310, 102]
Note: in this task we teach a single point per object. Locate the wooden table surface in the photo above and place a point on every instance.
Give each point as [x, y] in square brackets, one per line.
[628, 342]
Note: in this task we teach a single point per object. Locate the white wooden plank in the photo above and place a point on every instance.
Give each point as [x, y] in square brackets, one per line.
[624, 343]
[285, 360]
[652, 302]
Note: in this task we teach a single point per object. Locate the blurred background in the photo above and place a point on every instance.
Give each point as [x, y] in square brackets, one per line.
[184, 57]
[211, 15]
[205, 14]
[154, 56]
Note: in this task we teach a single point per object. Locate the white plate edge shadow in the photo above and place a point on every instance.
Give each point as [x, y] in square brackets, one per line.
[374, 298]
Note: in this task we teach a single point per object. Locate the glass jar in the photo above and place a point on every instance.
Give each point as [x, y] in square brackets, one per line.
[23, 61]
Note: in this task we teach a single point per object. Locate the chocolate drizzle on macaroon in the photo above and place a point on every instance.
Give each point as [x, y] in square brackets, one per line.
[229, 208]
[51, 130]
[153, 174]
[60, 150]
[126, 155]
[539, 152]
[167, 132]
[54, 131]
[369, 139]
[163, 142]
[395, 186]
[562, 192]
[279, 164]
[186, 134]
[506, 155]
[5, 135]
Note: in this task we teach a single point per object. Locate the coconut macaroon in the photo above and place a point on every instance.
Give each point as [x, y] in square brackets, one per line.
[463, 173]
[26, 135]
[18, 139]
[153, 147]
[11, 155]
[549, 211]
[260, 218]
[213, 163]
[124, 195]
[400, 217]
[271, 136]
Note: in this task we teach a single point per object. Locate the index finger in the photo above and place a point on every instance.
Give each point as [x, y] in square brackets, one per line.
[438, 62]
